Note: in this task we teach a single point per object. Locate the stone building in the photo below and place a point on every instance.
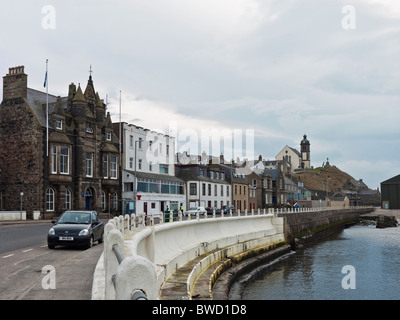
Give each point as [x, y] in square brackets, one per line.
[206, 185]
[70, 161]
[294, 158]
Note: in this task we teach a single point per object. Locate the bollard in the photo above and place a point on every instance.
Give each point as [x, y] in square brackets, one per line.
[111, 263]
[121, 224]
[133, 220]
[127, 221]
[116, 222]
[136, 273]
[161, 217]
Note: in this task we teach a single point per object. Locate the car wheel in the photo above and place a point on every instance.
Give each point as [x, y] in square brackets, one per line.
[101, 240]
[51, 246]
[90, 242]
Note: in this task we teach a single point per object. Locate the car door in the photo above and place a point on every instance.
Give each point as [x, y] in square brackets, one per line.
[95, 226]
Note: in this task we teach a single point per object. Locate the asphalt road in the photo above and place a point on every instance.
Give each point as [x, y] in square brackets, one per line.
[17, 236]
[25, 260]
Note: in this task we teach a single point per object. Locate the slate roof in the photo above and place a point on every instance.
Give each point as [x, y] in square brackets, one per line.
[272, 172]
[37, 102]
[190, 175]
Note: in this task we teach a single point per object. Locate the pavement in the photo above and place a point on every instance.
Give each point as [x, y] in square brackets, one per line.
[11, 222]
[384, 212]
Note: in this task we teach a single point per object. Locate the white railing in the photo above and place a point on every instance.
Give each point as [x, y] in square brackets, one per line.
[125, 277]
[139, 257]
[141, 220]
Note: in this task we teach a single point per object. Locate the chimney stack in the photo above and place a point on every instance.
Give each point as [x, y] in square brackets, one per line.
[15, 83]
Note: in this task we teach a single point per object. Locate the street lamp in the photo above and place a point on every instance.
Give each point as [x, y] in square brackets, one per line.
[21, 195]
[109, 205]
[135, 183]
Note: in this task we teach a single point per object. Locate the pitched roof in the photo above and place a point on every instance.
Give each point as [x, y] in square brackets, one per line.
[272, 172]
[78, 97]
[37, 101]
[395, 179]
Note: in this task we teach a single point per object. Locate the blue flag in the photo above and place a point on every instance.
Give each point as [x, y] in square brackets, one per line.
[45, 80]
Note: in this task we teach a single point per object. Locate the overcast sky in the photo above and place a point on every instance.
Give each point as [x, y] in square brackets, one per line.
[329, 69]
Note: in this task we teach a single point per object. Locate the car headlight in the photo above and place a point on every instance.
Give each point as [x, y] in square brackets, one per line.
[84, 232]
[52, 232]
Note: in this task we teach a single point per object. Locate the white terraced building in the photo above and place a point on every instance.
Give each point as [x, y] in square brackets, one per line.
[148, 156]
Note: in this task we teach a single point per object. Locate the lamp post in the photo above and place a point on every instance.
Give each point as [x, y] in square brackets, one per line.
[135, 182]
[109, 205]
[21, 195]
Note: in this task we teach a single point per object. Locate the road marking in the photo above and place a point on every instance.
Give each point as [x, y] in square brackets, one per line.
[44, 246]
[27, 250]
[10, 255]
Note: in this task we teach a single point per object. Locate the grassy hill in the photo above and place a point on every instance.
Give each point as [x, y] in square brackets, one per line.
[316, 179]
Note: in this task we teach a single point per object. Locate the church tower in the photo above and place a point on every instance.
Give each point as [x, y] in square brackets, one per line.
[305, 153]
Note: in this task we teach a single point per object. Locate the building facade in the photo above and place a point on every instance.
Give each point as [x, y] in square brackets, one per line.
[206, 185]
[294, 158]
[68, 162]
[390, 193]
[148, 171]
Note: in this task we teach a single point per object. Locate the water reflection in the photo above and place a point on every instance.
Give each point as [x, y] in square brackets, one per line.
[316, 272]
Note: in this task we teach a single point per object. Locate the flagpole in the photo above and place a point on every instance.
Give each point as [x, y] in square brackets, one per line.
[47, 110]
[120, 124]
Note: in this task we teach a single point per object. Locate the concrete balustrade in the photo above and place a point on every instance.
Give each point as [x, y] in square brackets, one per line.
[153, 252]
[158, 251]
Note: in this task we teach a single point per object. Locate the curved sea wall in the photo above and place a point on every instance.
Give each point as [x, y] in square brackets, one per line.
[301, 228]
[222, 246]
[166, 247]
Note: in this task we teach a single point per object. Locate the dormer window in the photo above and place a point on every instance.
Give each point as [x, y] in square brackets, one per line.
[59, 124]
[108, 136]
[89, 129]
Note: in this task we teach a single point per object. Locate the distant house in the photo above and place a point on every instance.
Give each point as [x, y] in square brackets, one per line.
[294, 158]
[205, 184]
[339, 201]
[390, 193]
[355, 185]
[278, 186]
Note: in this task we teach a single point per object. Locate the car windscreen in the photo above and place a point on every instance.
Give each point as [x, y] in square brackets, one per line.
[75, 218]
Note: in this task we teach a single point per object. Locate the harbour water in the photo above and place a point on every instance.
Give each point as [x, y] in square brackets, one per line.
[357, 263]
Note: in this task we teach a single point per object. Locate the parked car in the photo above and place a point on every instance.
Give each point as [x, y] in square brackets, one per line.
[226, 209]
[210, 210]
[193, 211]
[76, 228]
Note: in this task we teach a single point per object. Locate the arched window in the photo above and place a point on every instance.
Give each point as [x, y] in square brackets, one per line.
[50, 199]
[68, 199]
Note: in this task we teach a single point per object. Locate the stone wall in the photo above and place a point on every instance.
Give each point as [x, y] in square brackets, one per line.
[304, 224]
[20, 157]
